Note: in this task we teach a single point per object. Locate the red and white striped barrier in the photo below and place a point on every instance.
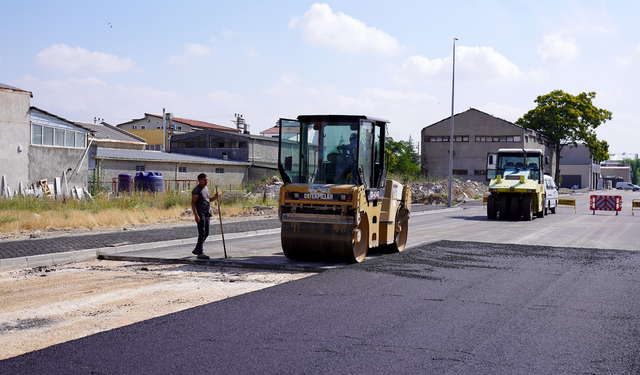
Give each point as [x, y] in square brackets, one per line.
[605, 203]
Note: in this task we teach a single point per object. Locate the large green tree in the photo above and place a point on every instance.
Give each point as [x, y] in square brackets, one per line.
[568, 119]
[401, 159]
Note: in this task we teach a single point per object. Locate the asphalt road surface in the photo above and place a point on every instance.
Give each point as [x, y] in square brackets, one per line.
[510, 304]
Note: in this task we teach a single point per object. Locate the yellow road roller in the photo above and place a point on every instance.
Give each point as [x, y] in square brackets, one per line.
[336, 202]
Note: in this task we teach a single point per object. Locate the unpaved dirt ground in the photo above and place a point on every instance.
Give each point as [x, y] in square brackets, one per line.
[45, 306]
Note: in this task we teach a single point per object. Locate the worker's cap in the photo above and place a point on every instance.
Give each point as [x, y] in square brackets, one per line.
[353, 137]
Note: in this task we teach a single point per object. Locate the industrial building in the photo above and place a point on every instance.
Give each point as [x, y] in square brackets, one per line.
[151, 129]
[38, 145]
[261, 153]
[476, 134]
[577, 168]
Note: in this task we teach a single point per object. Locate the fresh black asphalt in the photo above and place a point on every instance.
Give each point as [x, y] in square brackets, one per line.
[443, 308]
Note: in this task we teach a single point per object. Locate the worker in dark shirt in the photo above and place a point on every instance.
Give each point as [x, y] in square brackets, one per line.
[200, 205]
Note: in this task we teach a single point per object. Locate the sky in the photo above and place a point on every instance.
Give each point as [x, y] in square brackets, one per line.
[208, 60]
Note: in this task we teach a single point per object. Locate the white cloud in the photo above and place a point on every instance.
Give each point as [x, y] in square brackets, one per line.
[557, 49]
[61, 57]
[253, 54]
[321, 26]
[289, 83]
[228, 33]
[83, 99]
[472, 64]
[629, 61]
[379, 94]
[190, 53]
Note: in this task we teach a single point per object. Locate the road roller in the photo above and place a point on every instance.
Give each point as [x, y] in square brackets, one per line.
[336, 202]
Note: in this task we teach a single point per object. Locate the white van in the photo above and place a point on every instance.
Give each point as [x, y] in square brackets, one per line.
[551, 195]
[627, 186]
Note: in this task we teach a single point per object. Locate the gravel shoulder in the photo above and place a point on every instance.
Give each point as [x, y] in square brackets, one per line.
[44, 306]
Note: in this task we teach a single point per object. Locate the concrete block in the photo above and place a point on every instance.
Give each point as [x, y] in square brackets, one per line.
[125, 248]
[106, 251]
[13, 264]
[58, 186]
[82, 255]
[43, 260]
[3, 186]
[65, 257]
[143, 246]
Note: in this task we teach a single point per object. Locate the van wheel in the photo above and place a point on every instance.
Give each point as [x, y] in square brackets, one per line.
[553, 210]
[546, 209]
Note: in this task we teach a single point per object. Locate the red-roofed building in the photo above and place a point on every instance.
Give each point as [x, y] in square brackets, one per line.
[150, 127]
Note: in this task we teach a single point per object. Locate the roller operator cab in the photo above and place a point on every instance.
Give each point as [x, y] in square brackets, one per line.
[516, 186]
[336, 202]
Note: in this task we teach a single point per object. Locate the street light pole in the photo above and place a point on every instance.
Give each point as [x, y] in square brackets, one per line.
[453, 81]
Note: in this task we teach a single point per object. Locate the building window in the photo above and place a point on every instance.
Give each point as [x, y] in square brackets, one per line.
[182, 169]
[460, 172]
[36, 134]
[179, 127]
[59, 135]
[460, 138]
[70, 139]
[134, 127]
[158, 127]
[225, 156]
[143, 126]
[479, 172]
[139, 168]
[80, 140]
[516, 138]
[47, 136]
[196, 142]
[219, 170]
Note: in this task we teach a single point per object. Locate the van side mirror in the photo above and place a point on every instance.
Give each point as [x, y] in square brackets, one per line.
[546, 160]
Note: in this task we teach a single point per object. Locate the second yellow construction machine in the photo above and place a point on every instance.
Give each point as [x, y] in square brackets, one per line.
[336, 202]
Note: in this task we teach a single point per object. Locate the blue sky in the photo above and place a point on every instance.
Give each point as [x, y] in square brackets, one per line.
[207, 60]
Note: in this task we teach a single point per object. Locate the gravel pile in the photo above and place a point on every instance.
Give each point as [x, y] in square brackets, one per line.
[436, 193]
[421, 192]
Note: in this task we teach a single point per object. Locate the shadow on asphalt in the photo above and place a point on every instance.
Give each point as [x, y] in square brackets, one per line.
[471, 218]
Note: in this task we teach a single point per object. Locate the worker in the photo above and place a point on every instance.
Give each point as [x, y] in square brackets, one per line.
[346, 169]
[200, 205]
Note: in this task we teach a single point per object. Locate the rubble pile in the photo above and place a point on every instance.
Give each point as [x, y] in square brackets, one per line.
[270, 187]
[435, 193]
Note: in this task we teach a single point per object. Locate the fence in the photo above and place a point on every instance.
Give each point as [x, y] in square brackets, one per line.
[168, 185]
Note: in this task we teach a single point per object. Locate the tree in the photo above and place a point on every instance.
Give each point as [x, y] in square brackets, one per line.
[567, 120]
[402, 159]
[635, 168]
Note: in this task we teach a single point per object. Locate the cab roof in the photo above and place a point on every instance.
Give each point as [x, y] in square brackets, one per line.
[362, 117]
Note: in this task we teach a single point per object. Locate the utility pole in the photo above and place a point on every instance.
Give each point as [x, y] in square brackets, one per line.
[164, 130]
[453, 81]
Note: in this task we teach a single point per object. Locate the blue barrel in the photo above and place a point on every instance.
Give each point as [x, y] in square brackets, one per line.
[125, 182]
[149, 181]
